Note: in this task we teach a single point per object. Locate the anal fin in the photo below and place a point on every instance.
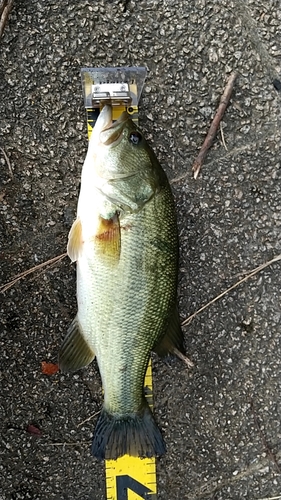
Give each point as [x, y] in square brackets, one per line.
[173, 338]
[75, 352]
[75, 242]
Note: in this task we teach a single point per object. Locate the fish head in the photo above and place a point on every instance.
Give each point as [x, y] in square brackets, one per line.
[127, 171]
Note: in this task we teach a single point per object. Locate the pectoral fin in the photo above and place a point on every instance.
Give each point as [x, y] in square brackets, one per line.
[75, 242]
[173, 338]
[75, 352]
[108, 237]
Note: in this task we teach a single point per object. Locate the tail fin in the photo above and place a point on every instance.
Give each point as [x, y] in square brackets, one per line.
[135, 434]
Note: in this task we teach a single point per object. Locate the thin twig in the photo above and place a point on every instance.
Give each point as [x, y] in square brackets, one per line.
[184, 358]
[269, 452]
[22, 275]
[214, 125]
[271, 498]
[5, 10]
[8, 162]
[248, 276]
[222, 137]
[65, 444]
[3, 4]
[89, 418]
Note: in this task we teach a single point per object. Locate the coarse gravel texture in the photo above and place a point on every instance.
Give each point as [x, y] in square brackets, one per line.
[220, 420]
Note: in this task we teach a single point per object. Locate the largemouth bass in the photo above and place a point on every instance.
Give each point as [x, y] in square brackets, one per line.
[125, 243]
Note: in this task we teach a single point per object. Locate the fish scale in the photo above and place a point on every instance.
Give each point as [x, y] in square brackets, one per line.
[134, 299]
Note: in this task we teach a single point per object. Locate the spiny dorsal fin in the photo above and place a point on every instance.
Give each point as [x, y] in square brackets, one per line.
[75, 242]
[108, 237]
[75, 352]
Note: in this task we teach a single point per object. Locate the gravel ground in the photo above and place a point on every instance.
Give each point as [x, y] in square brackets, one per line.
[221, 420]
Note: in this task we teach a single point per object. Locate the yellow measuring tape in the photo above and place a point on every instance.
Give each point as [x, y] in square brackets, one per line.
[132, 478]
[129, 478]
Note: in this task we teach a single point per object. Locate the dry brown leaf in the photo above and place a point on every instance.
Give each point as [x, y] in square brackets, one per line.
[49, 368]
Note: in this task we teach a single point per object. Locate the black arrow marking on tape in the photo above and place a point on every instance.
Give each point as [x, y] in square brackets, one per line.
[123, 483]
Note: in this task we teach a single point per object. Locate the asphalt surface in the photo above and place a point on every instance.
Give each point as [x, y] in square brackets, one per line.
[220, 420]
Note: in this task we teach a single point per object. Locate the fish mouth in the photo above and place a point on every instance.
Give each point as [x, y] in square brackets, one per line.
[112, 132]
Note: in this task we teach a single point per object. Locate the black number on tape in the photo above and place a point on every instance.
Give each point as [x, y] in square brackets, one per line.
[123, 483]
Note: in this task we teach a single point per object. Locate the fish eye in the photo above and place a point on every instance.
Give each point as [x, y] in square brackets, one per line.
[135, 138]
